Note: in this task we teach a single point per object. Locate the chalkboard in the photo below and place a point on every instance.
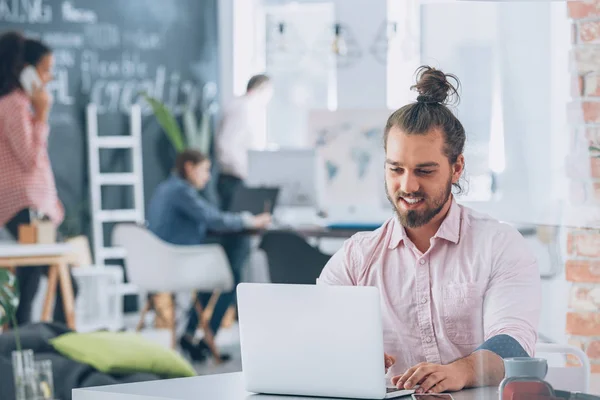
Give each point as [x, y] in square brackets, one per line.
[107, 52]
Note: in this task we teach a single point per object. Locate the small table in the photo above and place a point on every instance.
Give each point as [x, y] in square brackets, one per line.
[57, 257]
[217, 387]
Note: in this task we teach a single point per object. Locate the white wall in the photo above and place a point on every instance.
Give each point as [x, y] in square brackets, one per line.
[362, 85]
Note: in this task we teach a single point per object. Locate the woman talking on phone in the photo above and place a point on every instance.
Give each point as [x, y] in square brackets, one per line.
[26, 180]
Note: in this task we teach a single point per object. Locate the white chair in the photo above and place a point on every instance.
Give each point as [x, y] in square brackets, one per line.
[156, 266]
[569, 378]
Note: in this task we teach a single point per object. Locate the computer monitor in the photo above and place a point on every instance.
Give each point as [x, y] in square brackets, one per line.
[294, 171]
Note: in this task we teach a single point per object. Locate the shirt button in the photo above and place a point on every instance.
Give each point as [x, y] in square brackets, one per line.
[422, 262]
[428, 339]
[424, 300]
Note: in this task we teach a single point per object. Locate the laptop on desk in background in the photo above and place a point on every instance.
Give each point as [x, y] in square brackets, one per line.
[313, 340]
[255, 200]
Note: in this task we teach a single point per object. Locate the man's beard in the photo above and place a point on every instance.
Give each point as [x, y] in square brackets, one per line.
[414, 218]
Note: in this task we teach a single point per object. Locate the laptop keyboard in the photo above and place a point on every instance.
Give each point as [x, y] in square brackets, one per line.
[391, 389]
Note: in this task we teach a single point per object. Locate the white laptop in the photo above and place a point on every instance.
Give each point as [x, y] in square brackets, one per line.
[313, 340]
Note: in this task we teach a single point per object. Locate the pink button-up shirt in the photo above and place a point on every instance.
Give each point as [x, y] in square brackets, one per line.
[477, 280]
[26, 179]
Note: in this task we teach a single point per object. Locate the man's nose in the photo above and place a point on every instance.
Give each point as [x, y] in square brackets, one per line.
[409, 183]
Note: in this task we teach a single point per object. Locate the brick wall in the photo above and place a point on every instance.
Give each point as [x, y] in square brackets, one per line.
[583, 245]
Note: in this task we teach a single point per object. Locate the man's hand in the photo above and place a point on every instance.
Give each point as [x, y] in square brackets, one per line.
[434, 378]
[481, 368]
[261, 221]
[389, 361]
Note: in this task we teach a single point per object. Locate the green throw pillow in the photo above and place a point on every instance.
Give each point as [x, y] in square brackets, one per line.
[122, 353]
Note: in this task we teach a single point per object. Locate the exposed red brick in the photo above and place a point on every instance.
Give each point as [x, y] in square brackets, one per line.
[583, 271]
[577, 86]
[589, 32]
[595, 167]
[596, 190]
[583, 8]
[591, 111]
[584, 299]
[583, 323]
[584, 244]
[593, 349]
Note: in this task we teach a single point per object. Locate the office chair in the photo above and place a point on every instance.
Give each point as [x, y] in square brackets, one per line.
[567, 377]
[156, 266]
[291, 259]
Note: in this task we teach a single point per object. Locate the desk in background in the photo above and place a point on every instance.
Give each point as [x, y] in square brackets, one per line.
[216, 387]
[57, 256]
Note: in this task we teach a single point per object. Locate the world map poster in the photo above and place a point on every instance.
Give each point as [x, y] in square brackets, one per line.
[349, 145]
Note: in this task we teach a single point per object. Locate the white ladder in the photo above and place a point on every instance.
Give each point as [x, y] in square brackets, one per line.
[97, 179]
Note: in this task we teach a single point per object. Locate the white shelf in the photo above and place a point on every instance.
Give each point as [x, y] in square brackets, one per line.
[117, 179]
[118, 216]
[115, 142]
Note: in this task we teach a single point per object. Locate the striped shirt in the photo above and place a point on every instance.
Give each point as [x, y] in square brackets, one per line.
[26, 179]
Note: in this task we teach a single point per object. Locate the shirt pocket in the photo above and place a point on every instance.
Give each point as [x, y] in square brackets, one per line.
[463, 314]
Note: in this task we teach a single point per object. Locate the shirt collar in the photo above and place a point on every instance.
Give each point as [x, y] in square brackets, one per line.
[449, 229]
[176, 178]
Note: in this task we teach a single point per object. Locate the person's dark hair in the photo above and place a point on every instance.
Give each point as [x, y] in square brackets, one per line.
[256, 81]
[431, 111]
[34, 51]
[16, 52]
[188, 155]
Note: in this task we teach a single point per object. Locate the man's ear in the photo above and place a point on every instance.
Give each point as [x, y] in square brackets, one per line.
[458, 168]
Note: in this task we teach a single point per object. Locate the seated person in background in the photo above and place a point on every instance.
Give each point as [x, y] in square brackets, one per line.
[179, 215]
[460, 291]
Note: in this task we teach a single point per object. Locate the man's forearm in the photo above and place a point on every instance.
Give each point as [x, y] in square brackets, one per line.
[485, 365]
[481, 368]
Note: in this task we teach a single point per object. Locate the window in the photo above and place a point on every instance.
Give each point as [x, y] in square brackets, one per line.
[300, 62]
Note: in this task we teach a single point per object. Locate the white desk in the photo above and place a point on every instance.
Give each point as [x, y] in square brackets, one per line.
[214, 387]
[34, 250]
[57, 257]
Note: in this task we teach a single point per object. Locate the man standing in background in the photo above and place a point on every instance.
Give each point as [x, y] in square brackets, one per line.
[236, 135]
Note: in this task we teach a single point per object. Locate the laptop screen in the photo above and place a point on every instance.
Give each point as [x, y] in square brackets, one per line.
[254, 200]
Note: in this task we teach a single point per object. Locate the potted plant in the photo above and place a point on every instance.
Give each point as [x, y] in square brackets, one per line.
[194, 134]
[167, 122]
[9, 301]
[22, 360]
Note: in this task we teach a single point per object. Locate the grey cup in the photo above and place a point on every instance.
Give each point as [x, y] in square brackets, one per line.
[525, 367]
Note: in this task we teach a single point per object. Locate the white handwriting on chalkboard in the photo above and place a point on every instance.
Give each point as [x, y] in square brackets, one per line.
[59, 87]
[30, 11]
[102, 36]
[142, 40]
[72, 14]
[64, 57]
[128, 65]
[69, 40]
[117, 95]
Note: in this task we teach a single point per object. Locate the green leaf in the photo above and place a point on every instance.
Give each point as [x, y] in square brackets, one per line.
[9, 295]
[168, 122]
[190, 127]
